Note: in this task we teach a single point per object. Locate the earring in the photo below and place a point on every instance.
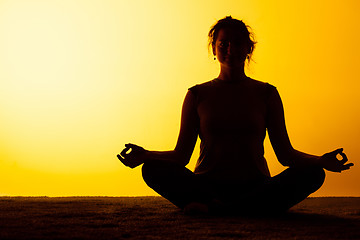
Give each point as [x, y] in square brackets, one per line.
[214, 58]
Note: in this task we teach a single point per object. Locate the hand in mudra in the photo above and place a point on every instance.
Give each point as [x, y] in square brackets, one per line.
[330, 162]
[133, 158]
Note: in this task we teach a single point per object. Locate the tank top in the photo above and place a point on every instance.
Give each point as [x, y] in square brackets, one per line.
[232, 127]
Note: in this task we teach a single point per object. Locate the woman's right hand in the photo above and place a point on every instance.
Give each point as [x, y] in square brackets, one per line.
[330, 162]
[134, 158]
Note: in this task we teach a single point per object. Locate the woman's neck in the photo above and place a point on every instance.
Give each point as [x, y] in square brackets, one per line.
[232, 75]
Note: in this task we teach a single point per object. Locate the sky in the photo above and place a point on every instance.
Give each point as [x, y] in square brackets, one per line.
[80, 78]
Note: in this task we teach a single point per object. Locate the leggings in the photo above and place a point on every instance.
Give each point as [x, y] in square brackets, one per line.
[275, 194]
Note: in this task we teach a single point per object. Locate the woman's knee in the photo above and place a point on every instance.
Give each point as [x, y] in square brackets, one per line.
[160, 171]
[312, 178]
[317, 177]
[149, 171]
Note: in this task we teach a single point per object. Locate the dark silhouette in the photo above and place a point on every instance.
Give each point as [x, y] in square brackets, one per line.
[231, 114]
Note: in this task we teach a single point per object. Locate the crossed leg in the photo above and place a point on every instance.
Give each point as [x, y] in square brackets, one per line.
[276, 194]
[176, 183]
[281, 192]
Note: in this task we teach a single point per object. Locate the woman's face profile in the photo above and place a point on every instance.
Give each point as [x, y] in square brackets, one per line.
[230, 48]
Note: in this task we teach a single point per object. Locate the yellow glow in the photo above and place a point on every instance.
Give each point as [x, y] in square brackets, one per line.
[79, 79]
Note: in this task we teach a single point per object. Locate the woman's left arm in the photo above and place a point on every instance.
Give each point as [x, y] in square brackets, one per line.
[286, 154]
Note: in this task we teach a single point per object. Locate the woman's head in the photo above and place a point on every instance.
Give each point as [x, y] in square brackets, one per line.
[232, 32]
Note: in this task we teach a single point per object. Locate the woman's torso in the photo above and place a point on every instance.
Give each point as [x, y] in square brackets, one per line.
[232, 120]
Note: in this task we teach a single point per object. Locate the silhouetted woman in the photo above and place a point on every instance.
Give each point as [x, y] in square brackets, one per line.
[231, 114]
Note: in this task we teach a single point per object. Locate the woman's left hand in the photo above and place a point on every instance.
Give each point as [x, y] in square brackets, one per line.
[330, 162]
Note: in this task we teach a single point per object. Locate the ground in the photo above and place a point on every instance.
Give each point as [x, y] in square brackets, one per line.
[156, 218]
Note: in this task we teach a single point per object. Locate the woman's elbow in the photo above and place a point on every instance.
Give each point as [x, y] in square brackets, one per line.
[181, 158]
[285, 159]
[285, 162]
[184, 160]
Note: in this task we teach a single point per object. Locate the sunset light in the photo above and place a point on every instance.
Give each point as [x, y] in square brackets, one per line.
[79, 79]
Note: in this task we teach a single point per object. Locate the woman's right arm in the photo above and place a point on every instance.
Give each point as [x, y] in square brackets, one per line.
[181, 154]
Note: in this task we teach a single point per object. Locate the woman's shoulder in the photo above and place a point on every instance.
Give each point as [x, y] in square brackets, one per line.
[204, 84]
[262, 84]
[198, 87]
[264, 88]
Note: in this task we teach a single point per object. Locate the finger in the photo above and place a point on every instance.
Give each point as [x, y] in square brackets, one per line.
[123, 152]
[345, 159]
[337, 151]
[347, 166]
[133, 146]
[122, 160]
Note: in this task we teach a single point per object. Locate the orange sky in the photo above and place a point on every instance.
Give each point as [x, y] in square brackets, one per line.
[79, 79]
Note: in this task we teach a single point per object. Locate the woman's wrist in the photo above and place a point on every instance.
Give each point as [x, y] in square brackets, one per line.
[318, 161]
[147, 155]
